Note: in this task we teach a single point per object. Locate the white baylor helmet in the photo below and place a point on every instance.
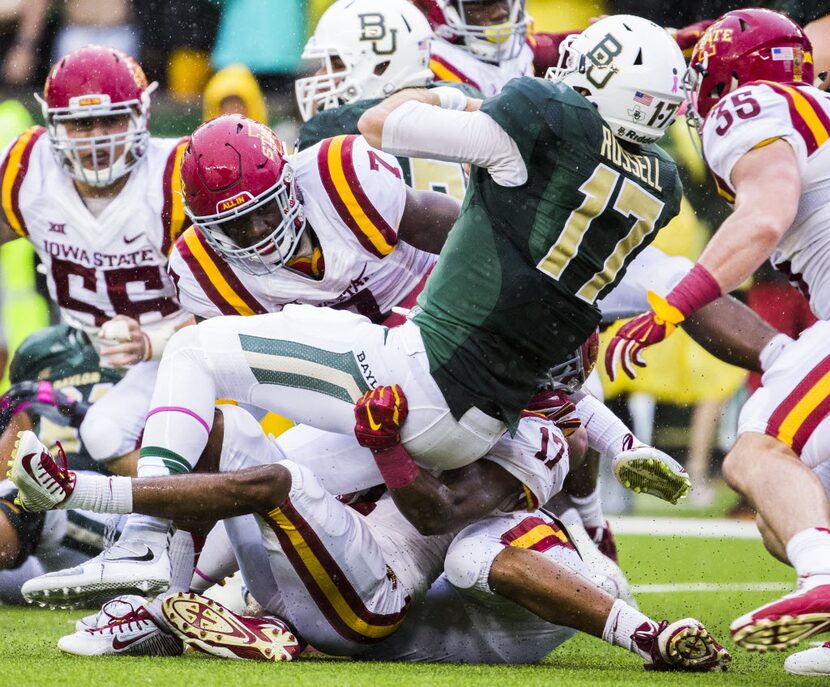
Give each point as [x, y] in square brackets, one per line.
[631, 69]
[384, 47]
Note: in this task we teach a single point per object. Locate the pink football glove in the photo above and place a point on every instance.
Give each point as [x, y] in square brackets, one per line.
[379, 415]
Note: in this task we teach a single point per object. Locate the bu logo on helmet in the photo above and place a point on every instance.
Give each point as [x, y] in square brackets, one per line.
[373, 28]
[602, 57]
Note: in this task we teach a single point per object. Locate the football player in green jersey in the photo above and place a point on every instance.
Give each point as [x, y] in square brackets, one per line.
[55, 376]
[567, 188]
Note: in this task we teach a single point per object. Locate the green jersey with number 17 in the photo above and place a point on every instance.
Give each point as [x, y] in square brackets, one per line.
[515, 285]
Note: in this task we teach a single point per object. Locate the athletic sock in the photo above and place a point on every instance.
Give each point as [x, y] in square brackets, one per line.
[623, 623]
[182, 561]
[607, 434]
[590, 509]
[100, 494]
[809, 553]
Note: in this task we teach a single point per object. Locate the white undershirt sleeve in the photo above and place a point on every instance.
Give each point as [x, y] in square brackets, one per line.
[419, 130]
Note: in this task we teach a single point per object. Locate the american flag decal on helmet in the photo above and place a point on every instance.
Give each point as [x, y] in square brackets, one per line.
[643, 98]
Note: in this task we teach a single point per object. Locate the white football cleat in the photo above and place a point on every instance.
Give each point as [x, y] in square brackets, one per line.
[209, 627]
[127, 567]
[646, 470]
[814, 661]
[134, 634]
[41, 482]
[112, 610]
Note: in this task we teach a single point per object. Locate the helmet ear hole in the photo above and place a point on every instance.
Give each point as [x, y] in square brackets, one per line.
[639, 59]
[381, 68]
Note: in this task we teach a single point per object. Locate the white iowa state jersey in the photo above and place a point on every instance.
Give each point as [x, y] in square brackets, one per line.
[98, 267]
[449, 62]
[537, 456]
[353, 197]
[759, 113]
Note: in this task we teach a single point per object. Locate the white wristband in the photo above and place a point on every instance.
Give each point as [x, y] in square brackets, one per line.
[772, 350]
[450, 98]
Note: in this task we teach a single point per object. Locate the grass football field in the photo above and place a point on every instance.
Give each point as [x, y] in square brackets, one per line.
[678, 576]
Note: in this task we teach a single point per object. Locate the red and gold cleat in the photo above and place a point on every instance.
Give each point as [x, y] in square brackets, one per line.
[209, 627]
[785, 622]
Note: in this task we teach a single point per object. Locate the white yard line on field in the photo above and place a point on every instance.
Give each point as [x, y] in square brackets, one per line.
[684, 527]
[711, 587]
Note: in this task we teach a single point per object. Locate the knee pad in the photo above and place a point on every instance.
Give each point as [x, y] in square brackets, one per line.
[102, 435]
[468, 562]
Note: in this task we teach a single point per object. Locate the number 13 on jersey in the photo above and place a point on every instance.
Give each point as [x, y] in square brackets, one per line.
[626, 197]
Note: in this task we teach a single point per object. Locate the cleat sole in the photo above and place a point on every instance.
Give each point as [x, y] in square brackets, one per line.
[778, 634]
[647, 476]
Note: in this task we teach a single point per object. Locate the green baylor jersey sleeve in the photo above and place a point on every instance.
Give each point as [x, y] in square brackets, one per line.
[514, 289]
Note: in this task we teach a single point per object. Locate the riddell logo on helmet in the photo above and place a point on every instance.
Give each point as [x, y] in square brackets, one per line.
[629, 135]
[234, 202]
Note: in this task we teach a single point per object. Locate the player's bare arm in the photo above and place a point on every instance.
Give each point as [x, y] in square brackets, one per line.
[437, 505]
[768, 187]
[729, 330]
[427, 219]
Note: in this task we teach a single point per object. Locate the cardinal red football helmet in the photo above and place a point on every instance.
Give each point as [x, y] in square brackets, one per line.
[97, 82]
[495, 43]
[232, 166]
[571, 374]
[743, 46]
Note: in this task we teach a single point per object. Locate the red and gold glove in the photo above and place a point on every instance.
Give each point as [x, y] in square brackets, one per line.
[696, 289]
[379, 415]
[688, 36]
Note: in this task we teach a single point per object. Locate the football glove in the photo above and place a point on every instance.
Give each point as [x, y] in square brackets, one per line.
[626, 348]
[42, 399]
[688, 36]
[646, 470]
[379, 415]
[556, 407]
